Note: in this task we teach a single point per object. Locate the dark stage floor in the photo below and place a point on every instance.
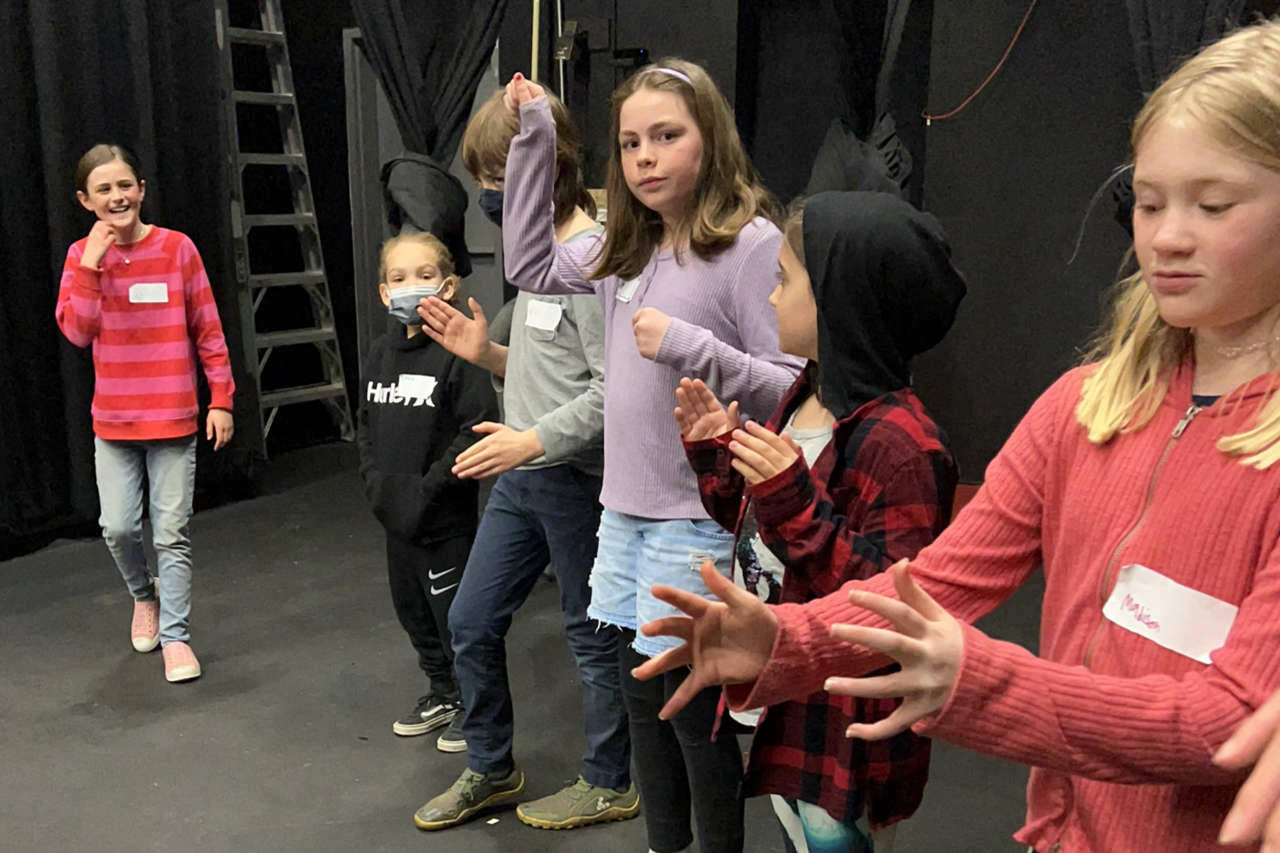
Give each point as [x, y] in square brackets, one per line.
[286, 743]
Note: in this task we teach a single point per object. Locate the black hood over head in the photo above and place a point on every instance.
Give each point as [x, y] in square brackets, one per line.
[885, 288]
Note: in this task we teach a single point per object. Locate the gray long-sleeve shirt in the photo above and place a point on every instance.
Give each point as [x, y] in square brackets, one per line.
[555, 373]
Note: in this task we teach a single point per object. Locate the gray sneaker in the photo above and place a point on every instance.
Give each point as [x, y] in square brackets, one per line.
[471, 794]
[580, 804]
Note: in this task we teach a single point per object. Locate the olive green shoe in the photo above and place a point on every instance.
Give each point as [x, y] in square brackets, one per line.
[471, 794]
[580, 804]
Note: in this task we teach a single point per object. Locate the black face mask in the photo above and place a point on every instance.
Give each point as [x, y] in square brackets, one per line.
[490, 202]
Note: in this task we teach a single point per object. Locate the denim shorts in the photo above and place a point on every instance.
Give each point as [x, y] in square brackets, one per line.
[635, 553]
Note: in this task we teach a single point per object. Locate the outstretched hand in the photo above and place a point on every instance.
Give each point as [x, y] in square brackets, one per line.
[521, 91]
[926, 641]
[1255, 814]
[465, 337]
[700, 414]
[725, 642]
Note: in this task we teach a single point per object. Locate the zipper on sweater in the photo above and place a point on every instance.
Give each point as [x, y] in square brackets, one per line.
[1105, 583]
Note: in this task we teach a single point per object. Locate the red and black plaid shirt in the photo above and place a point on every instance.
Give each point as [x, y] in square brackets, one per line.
[879, 492]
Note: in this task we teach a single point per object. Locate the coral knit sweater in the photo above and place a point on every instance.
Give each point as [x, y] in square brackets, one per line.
[149, 314]
[1118, 729]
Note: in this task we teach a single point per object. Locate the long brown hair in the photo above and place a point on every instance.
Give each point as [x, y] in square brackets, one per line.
[488, 137]
[727, 195]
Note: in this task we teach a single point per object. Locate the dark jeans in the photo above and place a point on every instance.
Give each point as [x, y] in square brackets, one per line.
[532, 518]
[424, 580]
[677, 758]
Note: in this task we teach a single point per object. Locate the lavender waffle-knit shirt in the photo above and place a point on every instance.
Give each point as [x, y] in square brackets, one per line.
[723, 329]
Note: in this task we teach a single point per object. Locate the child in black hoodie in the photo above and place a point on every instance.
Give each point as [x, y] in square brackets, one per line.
[420, 405]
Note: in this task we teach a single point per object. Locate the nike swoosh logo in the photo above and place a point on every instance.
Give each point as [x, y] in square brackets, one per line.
[435, 575]
[442, 590]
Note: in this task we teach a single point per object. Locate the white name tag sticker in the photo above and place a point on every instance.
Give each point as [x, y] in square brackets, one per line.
[416, 387]
[1177, 617]
[543, 315]
[149, 292]
[627, 290]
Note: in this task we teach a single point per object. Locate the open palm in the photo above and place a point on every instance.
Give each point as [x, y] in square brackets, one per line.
[700, 414]
[465, 337]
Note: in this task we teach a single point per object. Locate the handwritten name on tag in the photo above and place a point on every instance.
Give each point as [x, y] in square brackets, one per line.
[1176, 617]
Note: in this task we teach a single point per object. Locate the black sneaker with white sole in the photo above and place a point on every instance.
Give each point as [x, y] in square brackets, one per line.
[452, 739]
[431, 713]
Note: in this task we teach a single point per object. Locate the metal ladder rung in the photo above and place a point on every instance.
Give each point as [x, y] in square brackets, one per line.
[271, 99]
[255, 159]
[256, 220]
[289, 337]
[262, 38]
[302, 394]
[285, 279]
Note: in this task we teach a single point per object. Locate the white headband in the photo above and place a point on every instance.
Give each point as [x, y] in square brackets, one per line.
[679, 75]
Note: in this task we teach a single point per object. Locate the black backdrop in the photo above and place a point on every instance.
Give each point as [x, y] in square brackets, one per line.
[140, 73]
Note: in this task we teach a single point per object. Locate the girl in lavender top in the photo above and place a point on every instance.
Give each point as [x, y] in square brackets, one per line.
[683, 271]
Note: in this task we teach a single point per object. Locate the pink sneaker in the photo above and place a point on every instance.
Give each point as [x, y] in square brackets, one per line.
[180, 663]
[146, 625]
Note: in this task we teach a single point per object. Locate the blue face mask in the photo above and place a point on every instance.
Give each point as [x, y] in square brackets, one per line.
[490, 202]
[404, 303]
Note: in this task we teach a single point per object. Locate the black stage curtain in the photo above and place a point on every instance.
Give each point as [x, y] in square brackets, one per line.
[430, 57]
[1164, 33]
[143, 73]
[881, 99]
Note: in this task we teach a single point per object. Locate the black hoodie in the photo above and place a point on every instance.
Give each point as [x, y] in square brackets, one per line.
[872, 322]
[418, 405]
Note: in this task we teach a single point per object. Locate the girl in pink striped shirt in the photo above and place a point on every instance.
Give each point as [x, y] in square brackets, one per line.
[138, 295]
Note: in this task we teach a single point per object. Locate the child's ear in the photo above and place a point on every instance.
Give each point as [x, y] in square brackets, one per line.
[385, 293]
[449, 289]
[84, 200]
[142, 191]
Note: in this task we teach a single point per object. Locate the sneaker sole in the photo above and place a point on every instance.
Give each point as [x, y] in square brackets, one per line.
[494, 799]
[451, 745]
[145, 644]
[416, 729]
[609, 815]
[182, 673]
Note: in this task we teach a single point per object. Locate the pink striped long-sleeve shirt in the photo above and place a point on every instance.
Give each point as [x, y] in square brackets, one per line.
[149, 315]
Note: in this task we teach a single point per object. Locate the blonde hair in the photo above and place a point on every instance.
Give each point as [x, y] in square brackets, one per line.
[488, 137]
[444, 258]
[728, 193]
[1232, 90]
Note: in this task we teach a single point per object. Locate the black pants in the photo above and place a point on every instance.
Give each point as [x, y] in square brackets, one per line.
[677, 764]
[424, 580]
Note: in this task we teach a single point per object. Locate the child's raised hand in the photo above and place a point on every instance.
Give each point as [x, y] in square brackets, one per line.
[465, 337]
[700, 414]
[760, 454]
[521, 91]
[101, 237]
[650, 327]
[925, 640]
[725, 642]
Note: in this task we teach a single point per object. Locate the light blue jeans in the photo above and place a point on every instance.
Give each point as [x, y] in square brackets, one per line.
[169, 469]
[635, 553]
